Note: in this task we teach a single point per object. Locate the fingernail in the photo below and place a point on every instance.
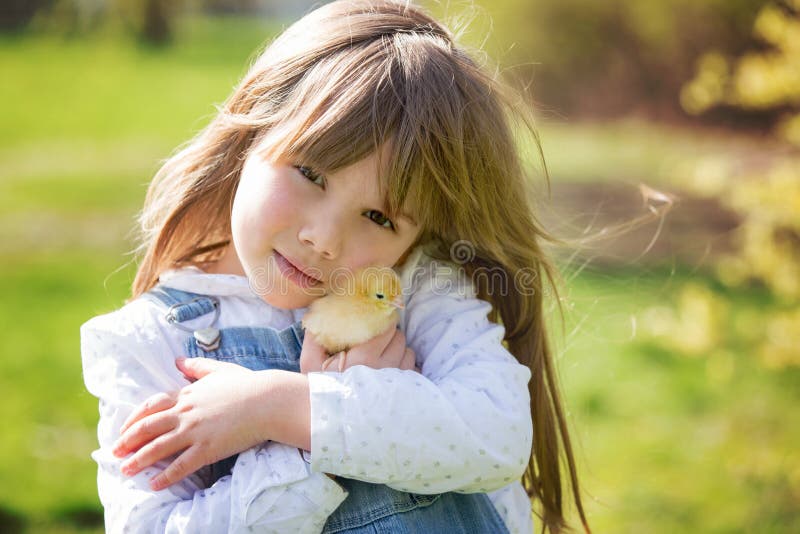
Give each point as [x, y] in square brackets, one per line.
[156, 483]
[180, 360]
[129, 468]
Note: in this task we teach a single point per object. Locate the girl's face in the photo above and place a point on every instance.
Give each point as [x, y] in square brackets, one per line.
[285, 215]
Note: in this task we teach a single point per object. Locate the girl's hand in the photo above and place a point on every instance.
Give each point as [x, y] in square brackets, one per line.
[387, 349]
[206, 420]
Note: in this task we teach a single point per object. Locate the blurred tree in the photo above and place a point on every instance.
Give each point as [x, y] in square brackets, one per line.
[233, 6]
[151, 20]
[767, 198]
[268, 8]
[157, 26]
[762, 79]
[609, 58]
[70, 17]
[16, 14]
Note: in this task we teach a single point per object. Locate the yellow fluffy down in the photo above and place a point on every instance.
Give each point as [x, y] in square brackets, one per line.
[343, 320]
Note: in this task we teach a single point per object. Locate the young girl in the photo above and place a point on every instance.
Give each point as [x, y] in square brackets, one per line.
[362, 136]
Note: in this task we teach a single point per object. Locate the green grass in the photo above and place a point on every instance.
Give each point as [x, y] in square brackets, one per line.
[634, 150]
[104, 87]
[670, 442]
[666, 442]
[49, 418]
[87, 122]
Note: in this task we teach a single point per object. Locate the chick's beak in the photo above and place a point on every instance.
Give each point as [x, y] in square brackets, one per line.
[398, 302]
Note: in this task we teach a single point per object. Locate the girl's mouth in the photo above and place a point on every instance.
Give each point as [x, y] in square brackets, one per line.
[293, 273]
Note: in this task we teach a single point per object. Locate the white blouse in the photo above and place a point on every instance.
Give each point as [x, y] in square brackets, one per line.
[462, 425]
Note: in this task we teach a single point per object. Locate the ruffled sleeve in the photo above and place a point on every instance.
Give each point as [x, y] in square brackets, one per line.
[127, 357]
[463, 425]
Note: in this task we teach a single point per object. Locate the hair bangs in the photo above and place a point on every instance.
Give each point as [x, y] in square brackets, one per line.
[428, 164]
[397, 96]
[331, 118]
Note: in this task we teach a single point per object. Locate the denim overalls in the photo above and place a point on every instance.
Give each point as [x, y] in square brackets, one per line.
[368, 508]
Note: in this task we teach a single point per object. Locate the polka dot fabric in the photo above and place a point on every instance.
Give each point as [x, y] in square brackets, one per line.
[462, 425]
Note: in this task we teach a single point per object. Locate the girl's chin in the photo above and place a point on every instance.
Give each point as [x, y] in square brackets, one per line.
[272, 287]
[287, 301]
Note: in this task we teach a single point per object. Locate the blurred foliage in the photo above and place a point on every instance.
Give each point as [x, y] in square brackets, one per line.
[696, 323]
[760, 79]
[767, 197]
[90, 118]
[608, 58]
[661, 377]
[16, 14]
[767, 255]
[152, 21]
[583, 57]
[699, 436]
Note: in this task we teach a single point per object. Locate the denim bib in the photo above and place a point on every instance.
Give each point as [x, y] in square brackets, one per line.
[368, 508]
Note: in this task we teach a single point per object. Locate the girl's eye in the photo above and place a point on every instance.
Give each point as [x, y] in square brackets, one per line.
[309, 173]
[380, 219]
[373, 215]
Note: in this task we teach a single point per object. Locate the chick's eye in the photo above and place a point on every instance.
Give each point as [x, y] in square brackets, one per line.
[379, 295]
[380, 219]
[309, 173]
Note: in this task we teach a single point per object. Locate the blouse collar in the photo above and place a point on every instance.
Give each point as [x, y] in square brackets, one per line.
[196, 280]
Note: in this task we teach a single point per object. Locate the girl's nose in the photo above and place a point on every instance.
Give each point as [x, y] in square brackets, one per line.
[324, 236]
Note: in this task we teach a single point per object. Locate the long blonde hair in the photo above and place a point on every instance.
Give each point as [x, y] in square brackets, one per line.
[335, 87]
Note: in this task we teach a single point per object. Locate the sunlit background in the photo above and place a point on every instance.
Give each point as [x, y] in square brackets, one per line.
[670, 130]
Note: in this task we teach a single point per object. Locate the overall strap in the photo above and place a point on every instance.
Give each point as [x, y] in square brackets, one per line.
[292, 336]
[183, 305]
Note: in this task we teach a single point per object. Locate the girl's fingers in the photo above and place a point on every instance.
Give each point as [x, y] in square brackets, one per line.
[409, 361]
[158, 449]
[156, 403]
[335, 362]
[196, 368]
[385, 337]
[184, 465]
[395, 351]
[312, 355]
[142, 432]
[370, 352]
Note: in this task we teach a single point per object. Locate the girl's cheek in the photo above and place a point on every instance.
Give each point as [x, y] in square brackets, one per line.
[378, 253]
[363, 256]
[278, 205]
[267, 204]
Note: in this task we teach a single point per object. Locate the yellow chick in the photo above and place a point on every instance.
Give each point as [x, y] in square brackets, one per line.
[362, 305]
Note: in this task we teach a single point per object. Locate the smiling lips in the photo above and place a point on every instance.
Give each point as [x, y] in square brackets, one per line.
[294, 272]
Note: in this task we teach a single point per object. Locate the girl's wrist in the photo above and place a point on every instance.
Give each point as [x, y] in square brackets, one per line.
[285, 408]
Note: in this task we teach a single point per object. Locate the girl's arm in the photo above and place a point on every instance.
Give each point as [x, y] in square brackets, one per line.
[271, 486]
[465, 425]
